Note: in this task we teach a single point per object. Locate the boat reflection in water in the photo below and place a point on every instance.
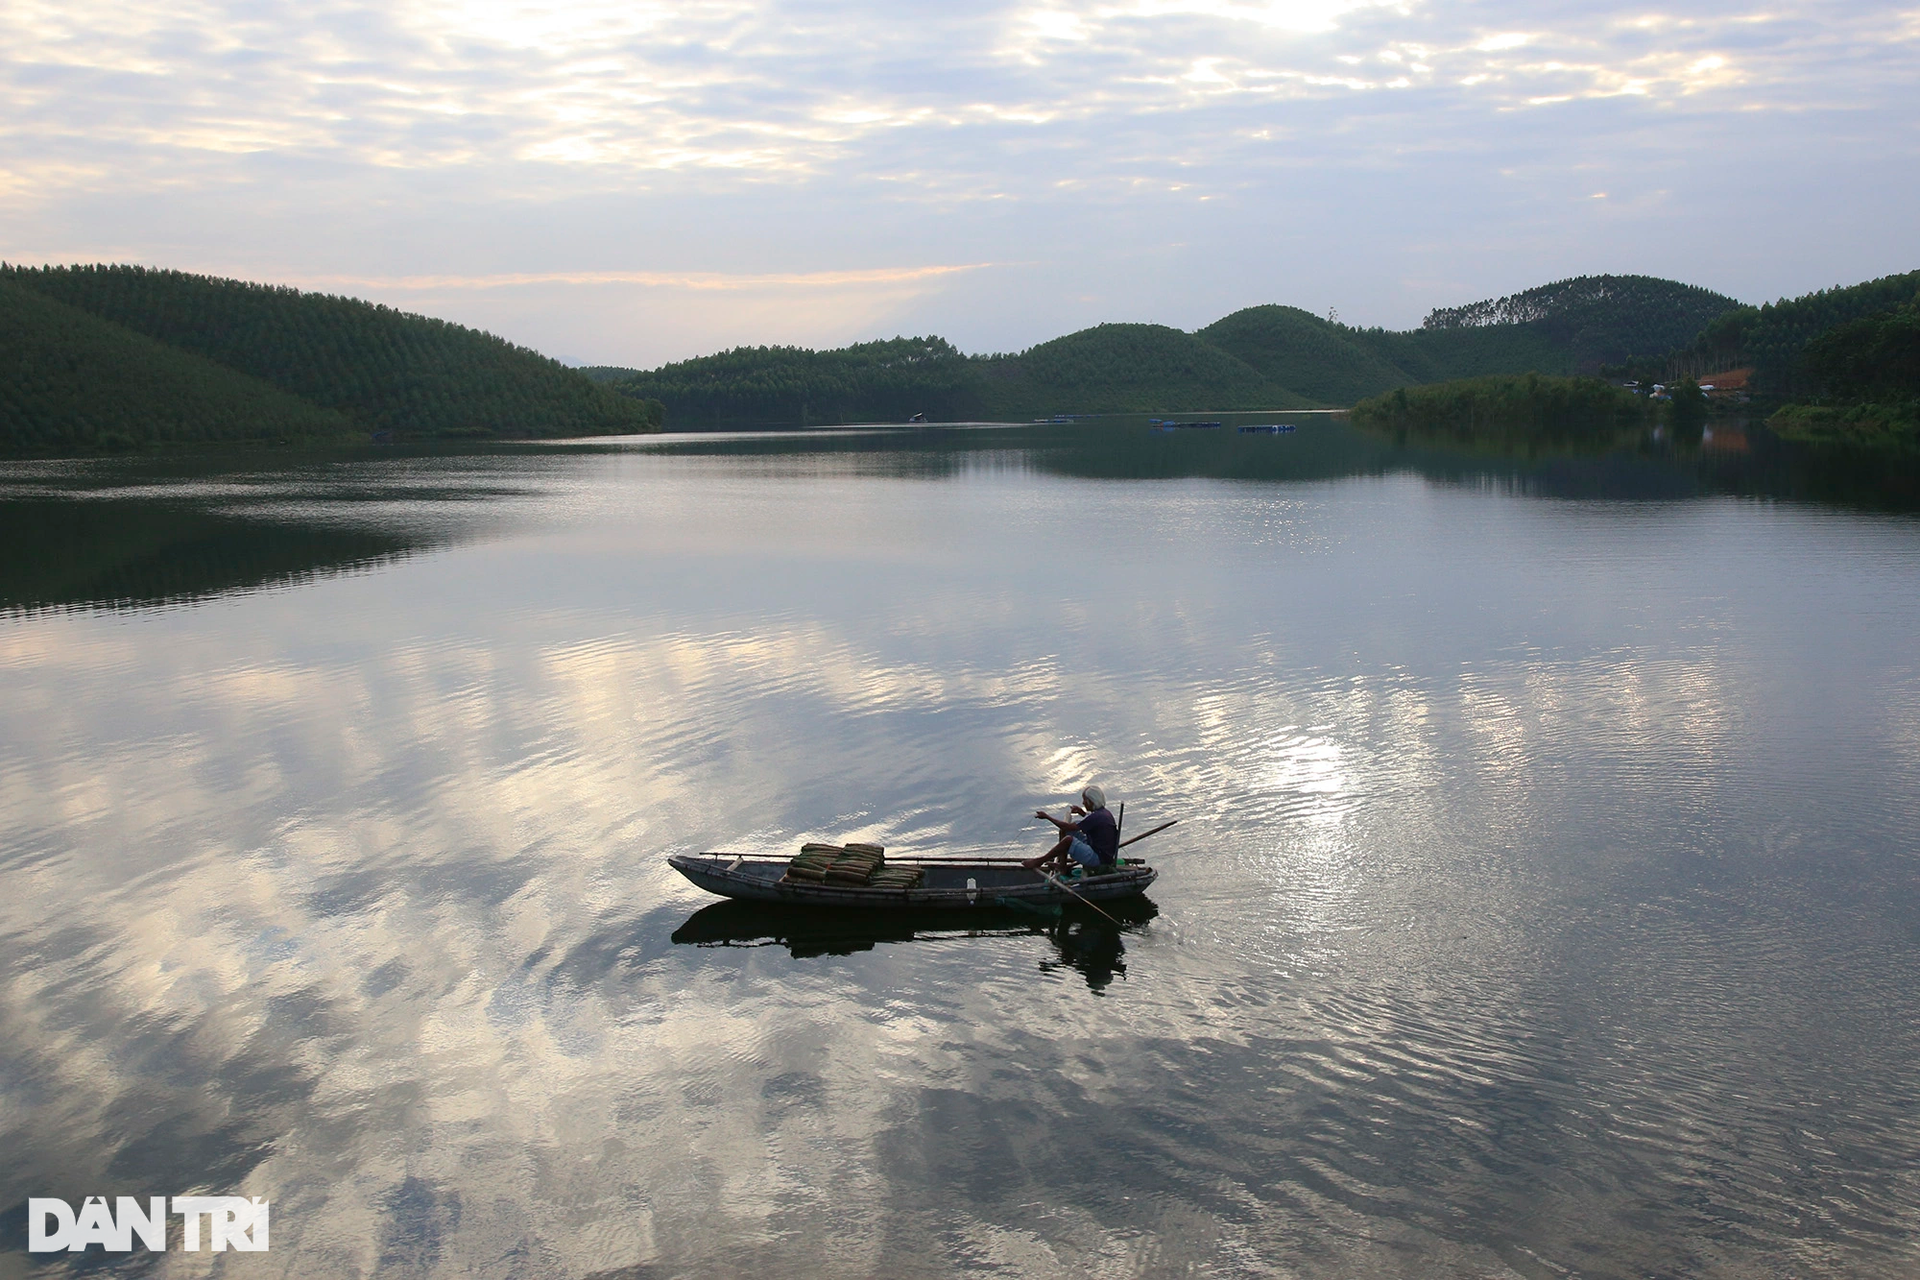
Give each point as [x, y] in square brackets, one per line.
[1087, 942]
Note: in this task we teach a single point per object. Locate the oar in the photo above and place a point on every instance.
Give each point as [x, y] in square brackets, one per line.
[1144, 834]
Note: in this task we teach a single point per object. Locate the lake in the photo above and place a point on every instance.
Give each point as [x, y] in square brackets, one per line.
[1543, 899]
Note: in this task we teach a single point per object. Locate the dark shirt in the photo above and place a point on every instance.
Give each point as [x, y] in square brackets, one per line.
[1103, 833]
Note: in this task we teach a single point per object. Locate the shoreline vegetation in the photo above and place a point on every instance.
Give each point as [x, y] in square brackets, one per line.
[1507, 408]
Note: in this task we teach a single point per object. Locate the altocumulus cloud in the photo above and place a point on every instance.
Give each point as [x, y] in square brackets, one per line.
[569, 174]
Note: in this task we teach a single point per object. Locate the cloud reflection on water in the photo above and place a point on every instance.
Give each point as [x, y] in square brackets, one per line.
[1491, 883]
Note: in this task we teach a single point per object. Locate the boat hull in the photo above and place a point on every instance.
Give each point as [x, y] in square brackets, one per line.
[995, 884]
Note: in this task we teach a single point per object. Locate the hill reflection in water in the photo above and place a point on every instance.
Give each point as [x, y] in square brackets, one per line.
[176, 530]
[169, 531]
[1637, 465]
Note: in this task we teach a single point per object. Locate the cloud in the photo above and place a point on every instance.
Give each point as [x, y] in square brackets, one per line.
[674, 142]
[775, 92]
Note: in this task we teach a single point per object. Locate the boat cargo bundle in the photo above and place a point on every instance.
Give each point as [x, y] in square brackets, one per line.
[856, 865]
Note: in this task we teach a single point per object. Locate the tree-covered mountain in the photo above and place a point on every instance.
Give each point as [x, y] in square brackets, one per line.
[1596, 320]
[1266, 357]
[1864, 379]
[370, 367]
[1773, 339]
[1320, 361]
[1127, 368]
[1113, 368]
[1876, 357]
[118, 356]
[869, 381]
[72, 383]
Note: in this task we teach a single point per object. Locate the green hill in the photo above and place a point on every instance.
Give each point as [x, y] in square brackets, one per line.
[156, 356]
[1876, 357]
[73, 383]
[1112, 368]
[1266, 357]
[1596, 320]
[867, 382]
[1773, 339]
[1864, 372]
[1562, 328]
[1332, 364]
[1439, 355]
[1127, 368]
[384, 370]
[1292, 348]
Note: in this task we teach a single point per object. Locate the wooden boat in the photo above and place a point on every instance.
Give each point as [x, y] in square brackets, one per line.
[950, 884]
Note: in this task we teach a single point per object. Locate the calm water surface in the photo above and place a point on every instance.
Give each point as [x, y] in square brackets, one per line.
[1543, 902]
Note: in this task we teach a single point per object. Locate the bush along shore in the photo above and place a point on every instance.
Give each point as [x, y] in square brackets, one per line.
[1508, 409]
[1867, 376]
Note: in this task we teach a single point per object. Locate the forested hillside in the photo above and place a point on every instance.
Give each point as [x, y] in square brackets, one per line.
[1876, 357]
[1864, 376]
[870, 381]
[1320, 361]
[1127, 368]
[1266, 357]
[1596, 319]
[1773, 339]
[1113, 368]
[123, 357]
[378, 369]
[72, 383]
[1847, 360]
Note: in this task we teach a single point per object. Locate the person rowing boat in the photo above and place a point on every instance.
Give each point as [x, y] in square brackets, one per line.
[1090, 838]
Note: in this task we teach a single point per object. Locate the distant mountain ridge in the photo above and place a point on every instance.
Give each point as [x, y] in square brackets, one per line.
[115, 357]
[109, 358]
[1263, 357]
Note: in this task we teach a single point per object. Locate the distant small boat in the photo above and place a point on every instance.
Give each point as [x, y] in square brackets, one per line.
[1266, 428]
[949, 884]
[918, 417]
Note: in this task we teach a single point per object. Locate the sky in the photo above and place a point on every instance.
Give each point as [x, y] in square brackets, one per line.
[631, 183]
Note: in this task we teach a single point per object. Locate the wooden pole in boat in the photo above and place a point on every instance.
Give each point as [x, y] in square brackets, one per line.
[1144, 834]
[1076, 897]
